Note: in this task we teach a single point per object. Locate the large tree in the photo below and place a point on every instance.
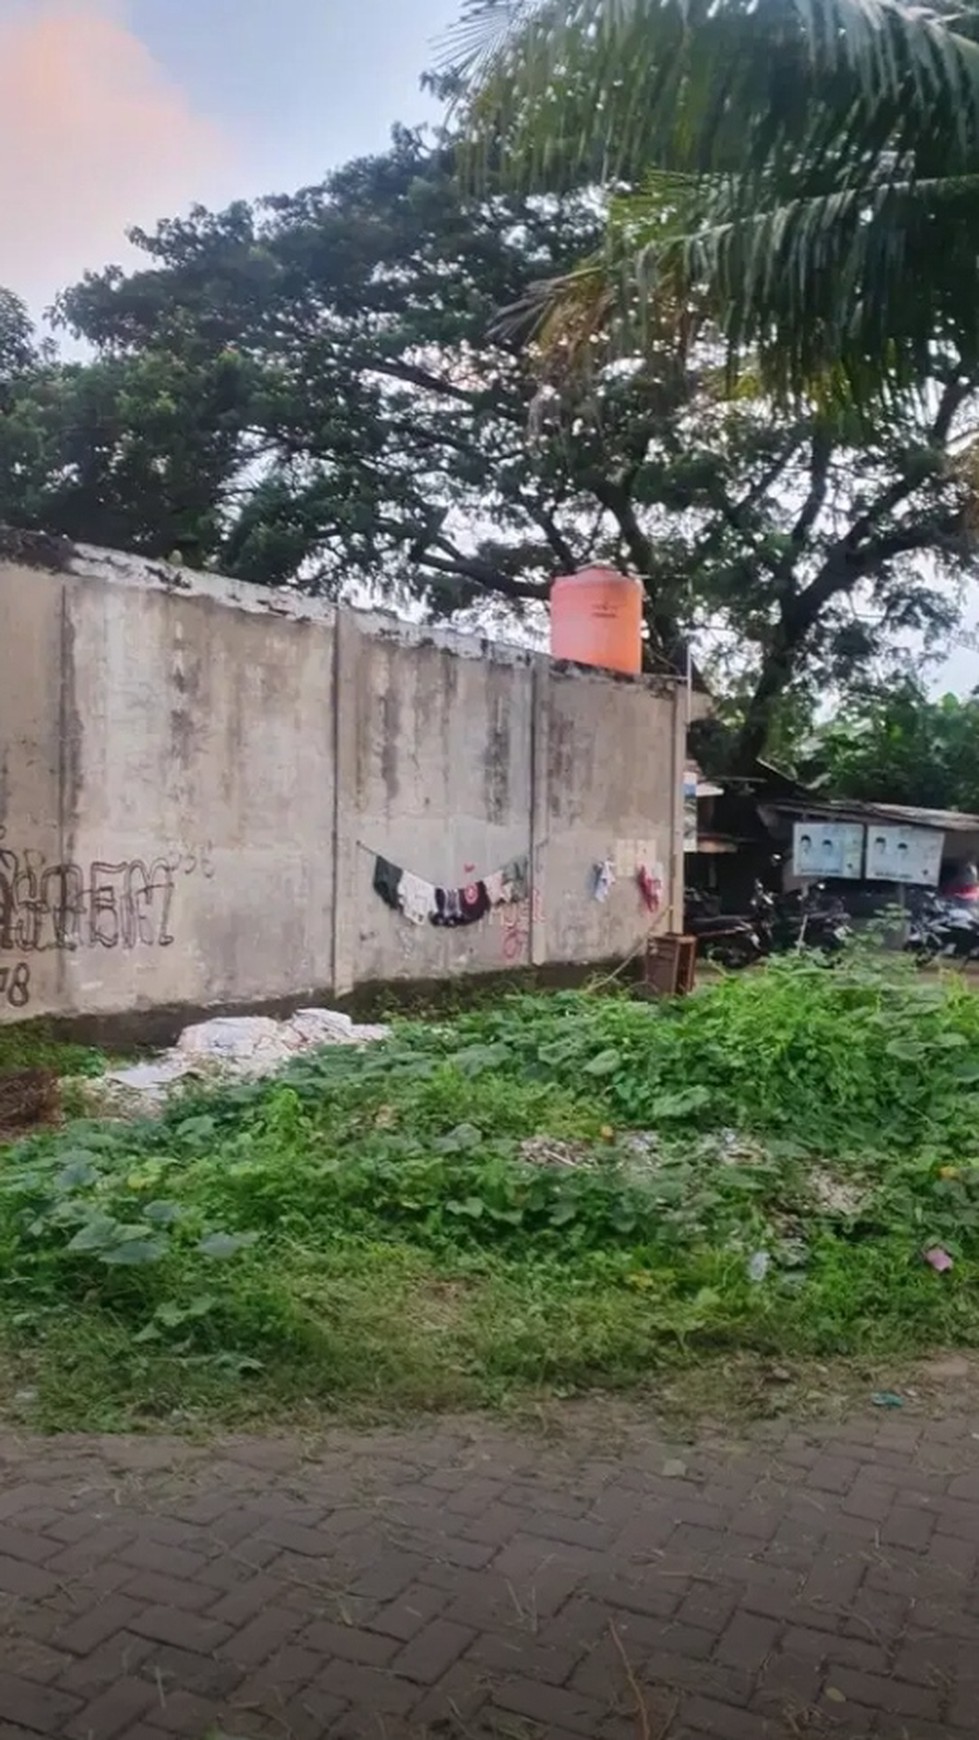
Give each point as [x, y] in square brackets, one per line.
[804, 550]
[305, 391]
[316, 392]
[823, 156]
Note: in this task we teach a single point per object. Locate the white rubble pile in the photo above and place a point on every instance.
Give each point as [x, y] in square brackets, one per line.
[235, 1046]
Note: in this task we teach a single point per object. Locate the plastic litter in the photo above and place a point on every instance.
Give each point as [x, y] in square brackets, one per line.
[233, 1046]
[759, 1265]
[255, 1044]
[939, 1260]
[887, 1399]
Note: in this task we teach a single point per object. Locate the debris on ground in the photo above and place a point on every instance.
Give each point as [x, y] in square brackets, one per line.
[243, 1047]
[836, 1195]
[551, 1151]
[938, 1259]
[887, 1399]
[256, 1045]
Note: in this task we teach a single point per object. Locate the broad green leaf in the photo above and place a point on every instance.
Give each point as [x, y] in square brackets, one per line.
[223, 1244]
[464, 1139]
[473, 1207]
[97, 1234]
[133, 1252]
[606, 1063]
[163, 1213]
[476, 1059]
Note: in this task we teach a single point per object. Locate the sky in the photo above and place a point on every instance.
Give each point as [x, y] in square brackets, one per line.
[114, 112]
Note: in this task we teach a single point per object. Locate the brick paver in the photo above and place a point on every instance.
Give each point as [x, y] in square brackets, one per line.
[463, 1580]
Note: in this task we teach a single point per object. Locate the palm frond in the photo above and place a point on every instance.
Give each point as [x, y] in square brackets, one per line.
[707, 84]
[831, 148]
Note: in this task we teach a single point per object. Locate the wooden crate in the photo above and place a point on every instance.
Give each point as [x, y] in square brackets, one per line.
[671, 962]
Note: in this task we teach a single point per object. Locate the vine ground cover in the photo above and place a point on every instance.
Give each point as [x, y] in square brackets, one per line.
[547, 1195]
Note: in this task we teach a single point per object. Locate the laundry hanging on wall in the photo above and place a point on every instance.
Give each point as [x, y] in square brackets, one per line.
[419, 901]
[650, 887]
[603, 880]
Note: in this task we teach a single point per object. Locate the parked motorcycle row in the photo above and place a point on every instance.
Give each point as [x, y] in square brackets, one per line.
[940, 926]
[805, 918]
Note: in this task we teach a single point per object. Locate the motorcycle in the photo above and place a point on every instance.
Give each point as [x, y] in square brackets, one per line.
[808, 918]
[943, 927]
[728, 939]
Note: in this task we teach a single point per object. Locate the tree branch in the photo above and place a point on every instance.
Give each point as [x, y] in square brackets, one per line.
[616, 500]
[953, 395]
[844, 567]
[822, 453]
[733, 512]
[413, 376]
[480, 573]
[552, 531]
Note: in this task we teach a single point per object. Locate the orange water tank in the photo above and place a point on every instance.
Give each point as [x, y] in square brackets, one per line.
[596, 619]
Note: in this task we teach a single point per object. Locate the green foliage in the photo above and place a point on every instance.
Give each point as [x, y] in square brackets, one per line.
[317, 391]
[831, 146]
[301, 390]
[31, 1045]
[899, 746]
[551, 1191]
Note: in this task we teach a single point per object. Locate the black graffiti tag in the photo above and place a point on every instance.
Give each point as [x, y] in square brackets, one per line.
[127, 904]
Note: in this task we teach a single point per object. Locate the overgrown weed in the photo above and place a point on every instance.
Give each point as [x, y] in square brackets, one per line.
[754, 1171]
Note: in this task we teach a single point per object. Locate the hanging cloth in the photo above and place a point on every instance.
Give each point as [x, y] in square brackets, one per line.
[495, 888]
[474, 903]
[651, 889]
[416, 898]
[447, 912]
[604, 880]
[516, 880]
[387, 882]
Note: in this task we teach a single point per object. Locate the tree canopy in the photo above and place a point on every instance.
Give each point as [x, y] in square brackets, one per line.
[899, 745]
[316, 392]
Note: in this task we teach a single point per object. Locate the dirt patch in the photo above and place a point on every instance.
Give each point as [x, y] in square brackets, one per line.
[30, 1099]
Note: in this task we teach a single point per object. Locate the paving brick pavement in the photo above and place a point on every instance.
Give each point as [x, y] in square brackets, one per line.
[460, 1580]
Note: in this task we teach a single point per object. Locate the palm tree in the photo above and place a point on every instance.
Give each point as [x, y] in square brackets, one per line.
[806, 171]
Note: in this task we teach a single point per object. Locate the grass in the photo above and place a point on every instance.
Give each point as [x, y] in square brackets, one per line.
[31, 1045]
[543, 1196]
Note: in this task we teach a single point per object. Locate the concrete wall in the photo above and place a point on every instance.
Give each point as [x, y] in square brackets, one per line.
[194, 777]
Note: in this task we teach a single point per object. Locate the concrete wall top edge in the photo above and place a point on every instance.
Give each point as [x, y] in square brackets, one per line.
[87, 562]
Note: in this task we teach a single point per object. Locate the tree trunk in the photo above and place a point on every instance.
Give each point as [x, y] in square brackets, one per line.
[777, 671]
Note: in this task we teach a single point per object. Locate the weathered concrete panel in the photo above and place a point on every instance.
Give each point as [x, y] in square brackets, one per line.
[607, 757]
[195, 777]
[36, 715]
[440, 782]
[175, 840]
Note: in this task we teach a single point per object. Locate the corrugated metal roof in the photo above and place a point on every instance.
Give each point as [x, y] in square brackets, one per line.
[953, 821]
[945, 821]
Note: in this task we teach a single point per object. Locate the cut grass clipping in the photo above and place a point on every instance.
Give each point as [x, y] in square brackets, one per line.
[550, 1194]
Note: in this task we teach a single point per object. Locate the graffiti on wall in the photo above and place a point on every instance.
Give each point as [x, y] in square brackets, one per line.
[121, 904]
[15, 985]
[515, 922]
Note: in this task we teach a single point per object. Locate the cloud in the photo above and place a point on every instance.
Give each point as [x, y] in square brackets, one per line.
[94, 136]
